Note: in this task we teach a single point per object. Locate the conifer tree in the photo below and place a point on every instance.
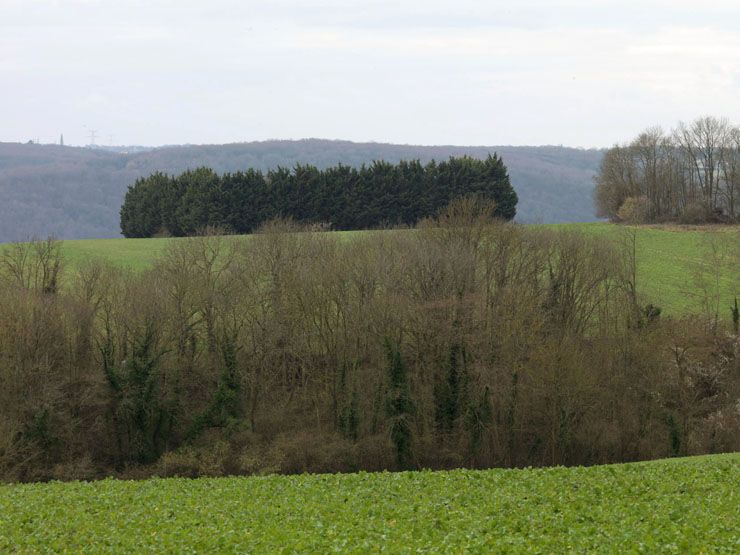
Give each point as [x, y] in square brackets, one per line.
[375, 195]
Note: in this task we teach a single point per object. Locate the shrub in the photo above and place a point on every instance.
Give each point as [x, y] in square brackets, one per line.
[695, 213]
[191, 461]
[634, 210]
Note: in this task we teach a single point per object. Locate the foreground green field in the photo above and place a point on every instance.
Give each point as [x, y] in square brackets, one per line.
[668, 261]
[689, 505]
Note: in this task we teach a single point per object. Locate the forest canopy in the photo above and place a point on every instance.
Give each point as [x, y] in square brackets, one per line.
[690, 174]
[342, 197]
[466, 343]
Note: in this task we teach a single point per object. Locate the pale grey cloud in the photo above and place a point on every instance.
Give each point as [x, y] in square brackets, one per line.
[574, 72]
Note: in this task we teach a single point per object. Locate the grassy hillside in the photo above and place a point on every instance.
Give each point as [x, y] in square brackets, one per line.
[667, 260]
[670, 506]
[125, 253]
[672, 263]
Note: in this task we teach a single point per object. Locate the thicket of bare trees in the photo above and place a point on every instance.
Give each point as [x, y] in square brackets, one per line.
[690, 175]
[465, 342]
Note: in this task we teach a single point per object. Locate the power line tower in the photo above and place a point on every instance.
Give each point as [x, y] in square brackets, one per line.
[93, 135]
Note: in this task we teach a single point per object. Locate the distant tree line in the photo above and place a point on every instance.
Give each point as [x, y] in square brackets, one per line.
[74, 193]
[469, 342]
[690, 174]
[342, 197]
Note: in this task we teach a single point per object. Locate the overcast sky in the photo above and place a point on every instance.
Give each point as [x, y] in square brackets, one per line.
[572, 72]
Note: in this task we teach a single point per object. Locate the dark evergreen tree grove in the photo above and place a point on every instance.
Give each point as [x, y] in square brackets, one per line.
[346, 198]
[203, 201]
[141, 214]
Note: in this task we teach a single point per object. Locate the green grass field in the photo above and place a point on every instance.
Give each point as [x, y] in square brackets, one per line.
[689, 505]
[667, 261]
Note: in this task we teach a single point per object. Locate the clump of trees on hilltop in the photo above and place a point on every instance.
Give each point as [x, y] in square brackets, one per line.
[688, 175]
[341, 197]
[469, 342]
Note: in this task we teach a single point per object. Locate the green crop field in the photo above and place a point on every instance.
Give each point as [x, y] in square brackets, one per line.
[689, 505]
[667, 260]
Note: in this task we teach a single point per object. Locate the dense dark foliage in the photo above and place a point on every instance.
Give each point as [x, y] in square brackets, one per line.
[340, 196]
[76, 193]
[467, 342]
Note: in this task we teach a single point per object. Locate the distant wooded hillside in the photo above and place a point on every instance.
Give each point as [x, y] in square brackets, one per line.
[77, 192]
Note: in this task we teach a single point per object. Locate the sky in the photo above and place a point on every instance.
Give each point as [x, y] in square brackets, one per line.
[584, 73]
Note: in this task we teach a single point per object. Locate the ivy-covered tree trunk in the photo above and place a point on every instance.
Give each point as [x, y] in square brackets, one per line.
[449, 391]
[400, 407]
[140, 420]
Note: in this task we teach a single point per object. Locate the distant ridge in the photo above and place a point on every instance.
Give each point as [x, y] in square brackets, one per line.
[74, 192]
